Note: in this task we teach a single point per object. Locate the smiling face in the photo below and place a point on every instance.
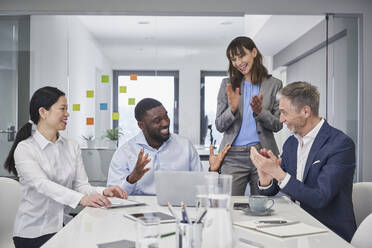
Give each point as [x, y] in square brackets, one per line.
[243, 62]
[295, 119]
[155, 126]
[57, 115]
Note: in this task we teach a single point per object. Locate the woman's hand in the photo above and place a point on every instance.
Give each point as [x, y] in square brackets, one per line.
[115, 191]
[256, 104]
[95, 200]
[233, 97]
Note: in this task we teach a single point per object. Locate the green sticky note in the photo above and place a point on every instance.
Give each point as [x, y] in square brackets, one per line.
[115, 116]
[75, 107]
[131, 101]
[105, 78]
[123, 89]
[90, 93]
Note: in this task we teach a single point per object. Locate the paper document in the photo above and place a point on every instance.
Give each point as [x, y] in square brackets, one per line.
[120, 203]
[283, 228]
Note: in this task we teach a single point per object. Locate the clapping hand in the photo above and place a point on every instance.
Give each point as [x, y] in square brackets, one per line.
[139, 170]
[256, 104]
[233, 97]
[215, 161]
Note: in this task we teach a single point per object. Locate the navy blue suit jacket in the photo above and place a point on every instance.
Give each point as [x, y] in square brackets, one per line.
[326, 189]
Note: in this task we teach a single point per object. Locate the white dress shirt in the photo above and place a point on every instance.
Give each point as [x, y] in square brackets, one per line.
[177, 154]
[52, 176]
[303, 149]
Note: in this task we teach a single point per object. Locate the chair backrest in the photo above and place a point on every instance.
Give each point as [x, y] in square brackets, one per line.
[362, 200]
[362, 236]
[10, 195]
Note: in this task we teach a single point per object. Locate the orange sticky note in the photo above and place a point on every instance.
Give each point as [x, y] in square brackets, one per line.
[90, 121]
[133, 76]
[115, 116]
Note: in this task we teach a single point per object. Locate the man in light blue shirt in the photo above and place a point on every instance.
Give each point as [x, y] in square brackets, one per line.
[133, 170]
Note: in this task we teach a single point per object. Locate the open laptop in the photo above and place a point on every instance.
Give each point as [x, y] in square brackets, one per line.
[178, 186]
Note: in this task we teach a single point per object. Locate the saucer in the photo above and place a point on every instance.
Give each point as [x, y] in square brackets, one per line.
[267, 212]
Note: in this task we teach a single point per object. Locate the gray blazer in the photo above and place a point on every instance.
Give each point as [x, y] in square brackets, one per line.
[267, 121]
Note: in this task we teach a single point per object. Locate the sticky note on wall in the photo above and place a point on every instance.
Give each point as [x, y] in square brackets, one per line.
[90, 121]
[105, 78]
[103, 106]
[123, 89]
[131, 101]
[133, 76]
[90, 93]
[75, 107]
[115, 116]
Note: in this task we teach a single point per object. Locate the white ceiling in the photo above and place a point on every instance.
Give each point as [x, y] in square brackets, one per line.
[173, 34]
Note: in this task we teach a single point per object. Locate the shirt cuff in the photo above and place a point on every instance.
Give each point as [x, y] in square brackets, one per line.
[283, 183]
[100, 190]
[128, 186]
[264, 187]
[75, 199]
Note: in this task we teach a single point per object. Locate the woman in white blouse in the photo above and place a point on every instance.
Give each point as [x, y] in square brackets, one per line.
[50, 171]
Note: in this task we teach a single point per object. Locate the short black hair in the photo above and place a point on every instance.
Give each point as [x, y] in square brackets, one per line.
[144, 105]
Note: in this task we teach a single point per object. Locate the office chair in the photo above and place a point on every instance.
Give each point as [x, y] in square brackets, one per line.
[10, 195]
[362, 236]
[362, 200]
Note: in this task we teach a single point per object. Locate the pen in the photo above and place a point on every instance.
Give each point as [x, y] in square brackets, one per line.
[167, 234]
[201, 216]
[171, 211]
[274, 225]
[185, 218]
[272, 221]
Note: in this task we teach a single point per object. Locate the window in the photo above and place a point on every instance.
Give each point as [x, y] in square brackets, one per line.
[209, 86]
[130, 87]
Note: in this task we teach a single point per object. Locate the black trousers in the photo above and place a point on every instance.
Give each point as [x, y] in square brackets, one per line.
[31, 242]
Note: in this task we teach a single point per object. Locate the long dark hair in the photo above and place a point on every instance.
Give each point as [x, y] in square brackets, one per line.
[258, 70]
[42, 98]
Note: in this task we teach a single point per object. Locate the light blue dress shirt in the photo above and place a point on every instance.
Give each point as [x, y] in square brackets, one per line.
[177, 154]
[248, 130]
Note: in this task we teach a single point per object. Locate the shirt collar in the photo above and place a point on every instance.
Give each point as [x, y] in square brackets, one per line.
[312, 134]
[141, 140]
[42, 141]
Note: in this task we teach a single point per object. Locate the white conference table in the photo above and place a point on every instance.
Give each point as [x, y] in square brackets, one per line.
[93, 226]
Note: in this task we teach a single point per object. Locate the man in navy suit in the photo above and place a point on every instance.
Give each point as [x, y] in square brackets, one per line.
[317, 165]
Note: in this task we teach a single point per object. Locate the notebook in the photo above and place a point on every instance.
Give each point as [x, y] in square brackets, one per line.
[178, 186]
[122, 203]
[118, 244]
[289, 229]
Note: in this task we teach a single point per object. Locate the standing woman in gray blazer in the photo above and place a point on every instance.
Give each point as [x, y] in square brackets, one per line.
[247, 112]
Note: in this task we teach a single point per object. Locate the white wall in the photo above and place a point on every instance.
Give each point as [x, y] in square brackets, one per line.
[64, 55]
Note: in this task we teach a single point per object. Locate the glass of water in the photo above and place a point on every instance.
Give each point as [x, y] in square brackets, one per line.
[148, 232]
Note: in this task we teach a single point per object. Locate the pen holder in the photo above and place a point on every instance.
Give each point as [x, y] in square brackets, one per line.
[189, 235]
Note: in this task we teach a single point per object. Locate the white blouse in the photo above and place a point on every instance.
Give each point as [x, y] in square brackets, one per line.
[52, 176]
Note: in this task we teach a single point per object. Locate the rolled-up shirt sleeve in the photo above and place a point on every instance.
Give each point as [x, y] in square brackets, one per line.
[119, 171]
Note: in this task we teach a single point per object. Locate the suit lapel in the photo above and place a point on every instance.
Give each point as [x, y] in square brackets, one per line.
[320, 139]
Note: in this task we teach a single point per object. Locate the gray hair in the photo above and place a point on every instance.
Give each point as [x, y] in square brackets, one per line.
[302, 94]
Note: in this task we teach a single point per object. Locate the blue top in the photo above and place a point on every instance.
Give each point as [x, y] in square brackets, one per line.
[177, 154]
[248, 131]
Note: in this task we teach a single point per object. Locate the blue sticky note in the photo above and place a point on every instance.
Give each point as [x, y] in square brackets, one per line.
[103, 106]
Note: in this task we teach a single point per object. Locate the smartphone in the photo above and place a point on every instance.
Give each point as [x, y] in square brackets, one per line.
[164, 218]
[240, 205]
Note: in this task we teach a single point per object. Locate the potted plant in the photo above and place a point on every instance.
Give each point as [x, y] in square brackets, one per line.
[113, 135]
[89, 140]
